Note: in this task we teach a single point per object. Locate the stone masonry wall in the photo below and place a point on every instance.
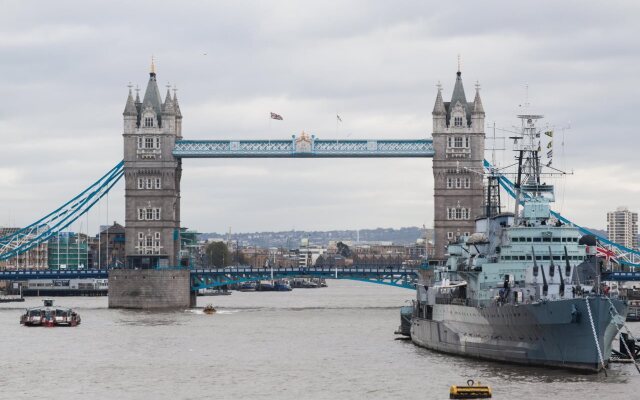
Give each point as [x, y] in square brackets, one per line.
[149, 289]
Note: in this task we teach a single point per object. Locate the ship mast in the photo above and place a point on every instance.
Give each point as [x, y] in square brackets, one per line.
[527, 145]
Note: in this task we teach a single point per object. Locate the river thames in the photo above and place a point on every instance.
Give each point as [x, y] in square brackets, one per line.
[329, 343]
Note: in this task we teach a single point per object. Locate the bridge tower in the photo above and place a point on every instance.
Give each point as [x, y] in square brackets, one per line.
[458, 141]
[152, 178]
[152, 206]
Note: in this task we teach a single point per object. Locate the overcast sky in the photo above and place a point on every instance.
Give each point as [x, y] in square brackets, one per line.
[65, 67]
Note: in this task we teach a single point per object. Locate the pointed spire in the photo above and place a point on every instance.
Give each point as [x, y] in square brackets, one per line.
[152, 98]
[458, 91]
[130, 108]
[438, 107]
[152, 71]
[168, 108]
[477, 103]
[458, 96]
[176, 106]
[138, 95]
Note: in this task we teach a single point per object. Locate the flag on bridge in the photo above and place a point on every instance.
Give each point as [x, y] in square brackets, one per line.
[276, 116]
[608, 254]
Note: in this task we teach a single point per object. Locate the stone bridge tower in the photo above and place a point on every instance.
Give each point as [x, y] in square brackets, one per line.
[458, 141]
[152, 178]
[152, 206]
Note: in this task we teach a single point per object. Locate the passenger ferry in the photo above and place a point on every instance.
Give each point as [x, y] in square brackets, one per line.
[50, 316]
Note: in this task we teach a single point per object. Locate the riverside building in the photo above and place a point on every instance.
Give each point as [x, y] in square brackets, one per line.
[622, 227]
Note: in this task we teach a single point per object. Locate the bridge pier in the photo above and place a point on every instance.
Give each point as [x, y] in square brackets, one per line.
[150, 289]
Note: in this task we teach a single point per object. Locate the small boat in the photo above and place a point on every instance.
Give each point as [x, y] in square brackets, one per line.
[209, 309]
[309, 285]
[247, 286]
[471, 391]
[405, 321]
[282, 286]
[265, 286]
[50, 316]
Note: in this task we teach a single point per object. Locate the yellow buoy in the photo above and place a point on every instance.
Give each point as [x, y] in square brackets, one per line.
[471, 391]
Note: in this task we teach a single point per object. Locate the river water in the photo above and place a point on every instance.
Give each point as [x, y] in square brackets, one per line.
[329, 343]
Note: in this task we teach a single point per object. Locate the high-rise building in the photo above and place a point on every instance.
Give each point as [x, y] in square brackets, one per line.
[152, 178]
[622, 227]
[458, 141]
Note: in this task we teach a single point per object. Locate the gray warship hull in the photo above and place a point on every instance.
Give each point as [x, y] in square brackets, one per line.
[554, 333]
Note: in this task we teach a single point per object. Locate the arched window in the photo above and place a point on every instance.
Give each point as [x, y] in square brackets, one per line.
[148, 122]
[457, 121]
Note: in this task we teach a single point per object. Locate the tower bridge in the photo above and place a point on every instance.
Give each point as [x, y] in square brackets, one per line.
[154, 149]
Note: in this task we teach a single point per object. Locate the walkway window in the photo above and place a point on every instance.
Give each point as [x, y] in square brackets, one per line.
[457, 121]
[148, 122]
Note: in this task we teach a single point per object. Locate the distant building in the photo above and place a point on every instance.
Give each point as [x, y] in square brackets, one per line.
[191, 250]
[622, 227]
[111, 246]
[34, 258]
[68, 250]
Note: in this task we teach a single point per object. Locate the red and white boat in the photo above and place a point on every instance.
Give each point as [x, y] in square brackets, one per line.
[48, 315]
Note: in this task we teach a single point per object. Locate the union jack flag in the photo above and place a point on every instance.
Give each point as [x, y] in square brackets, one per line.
[276, 116]
[606, 253]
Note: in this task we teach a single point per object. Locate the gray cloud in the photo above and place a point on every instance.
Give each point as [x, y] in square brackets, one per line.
[66, 66]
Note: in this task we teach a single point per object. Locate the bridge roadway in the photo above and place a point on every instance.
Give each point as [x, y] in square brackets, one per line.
[216, 277]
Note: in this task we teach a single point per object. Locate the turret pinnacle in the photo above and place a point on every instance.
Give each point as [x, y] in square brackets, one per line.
[152, 97]
[438, 107]
[458, 97]
[458, 92]
[477, 103]
[168, 108]
[130, 108]
[176, 106]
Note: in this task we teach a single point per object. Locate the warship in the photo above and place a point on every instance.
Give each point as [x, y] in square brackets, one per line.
[512, 291]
